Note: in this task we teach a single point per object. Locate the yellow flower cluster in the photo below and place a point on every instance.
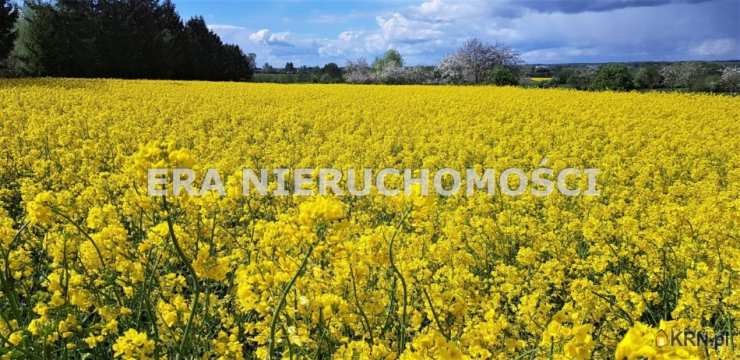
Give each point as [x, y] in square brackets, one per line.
[92, 266]
[133, 345]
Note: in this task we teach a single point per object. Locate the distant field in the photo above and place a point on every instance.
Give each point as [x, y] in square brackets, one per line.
[282, 78]
[93, 267]
[538, 79]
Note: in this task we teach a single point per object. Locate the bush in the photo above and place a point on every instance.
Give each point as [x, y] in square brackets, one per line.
[331, 73]
[581, 79]
[502, 75]
[562, 75]
[648, 78]
[613, 77]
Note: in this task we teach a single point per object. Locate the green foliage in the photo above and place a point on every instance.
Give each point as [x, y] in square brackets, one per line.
[294, 78]
[391, 59]
[502, 75]
[693, 76]
[574, 77]
[123, 39]
[263, 77]
[578, 78]
[648, 77]
[8, 17]
[562, 75]
[209, 59]
[613, 77]
[331, 73]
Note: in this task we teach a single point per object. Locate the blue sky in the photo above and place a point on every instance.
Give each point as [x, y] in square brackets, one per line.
[542, 31]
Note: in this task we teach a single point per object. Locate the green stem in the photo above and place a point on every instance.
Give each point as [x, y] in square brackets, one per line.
[7, 284]
[614, 304]
[402, 335]
[445, 333]
[281, 303]
[193, 277]
[83, 232]
[366, 322]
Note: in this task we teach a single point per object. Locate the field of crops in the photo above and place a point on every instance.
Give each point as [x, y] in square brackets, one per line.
[92, 266]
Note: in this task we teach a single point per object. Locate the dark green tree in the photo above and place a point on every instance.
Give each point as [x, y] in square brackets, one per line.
[502, 75]
[562, 75]
[203, 46]
[128, 42]
[581, 79]
[391, 59]
[234, 64]
[648, 77]
[331, 73]
[124, 39]
[171, 41]
[613, 77]
[8, 17]
[41, 41]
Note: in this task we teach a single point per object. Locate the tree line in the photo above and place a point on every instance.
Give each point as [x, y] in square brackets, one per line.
[115, 38]
[328, 74]
[682, 76]
[475, 62]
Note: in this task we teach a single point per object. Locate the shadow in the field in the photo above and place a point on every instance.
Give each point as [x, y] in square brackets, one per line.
[52, 83]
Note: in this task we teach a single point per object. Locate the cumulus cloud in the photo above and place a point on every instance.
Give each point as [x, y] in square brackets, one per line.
[400, 29]
[410, 36]
[276, 48]
[265, 37]
[542, 31]
[260, 36]
[347, 43]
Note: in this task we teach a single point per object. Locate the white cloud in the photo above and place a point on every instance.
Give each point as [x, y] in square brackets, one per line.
[398, 28]
[445, 10]
[544, 31]
[260, 36]
[715, 47]
[266, 37]
[351, 44]
[281, 37]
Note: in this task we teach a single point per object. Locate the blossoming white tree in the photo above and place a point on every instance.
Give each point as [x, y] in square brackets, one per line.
[474, 60]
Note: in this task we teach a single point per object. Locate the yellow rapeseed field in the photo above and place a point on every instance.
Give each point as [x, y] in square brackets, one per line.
[94, 267]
